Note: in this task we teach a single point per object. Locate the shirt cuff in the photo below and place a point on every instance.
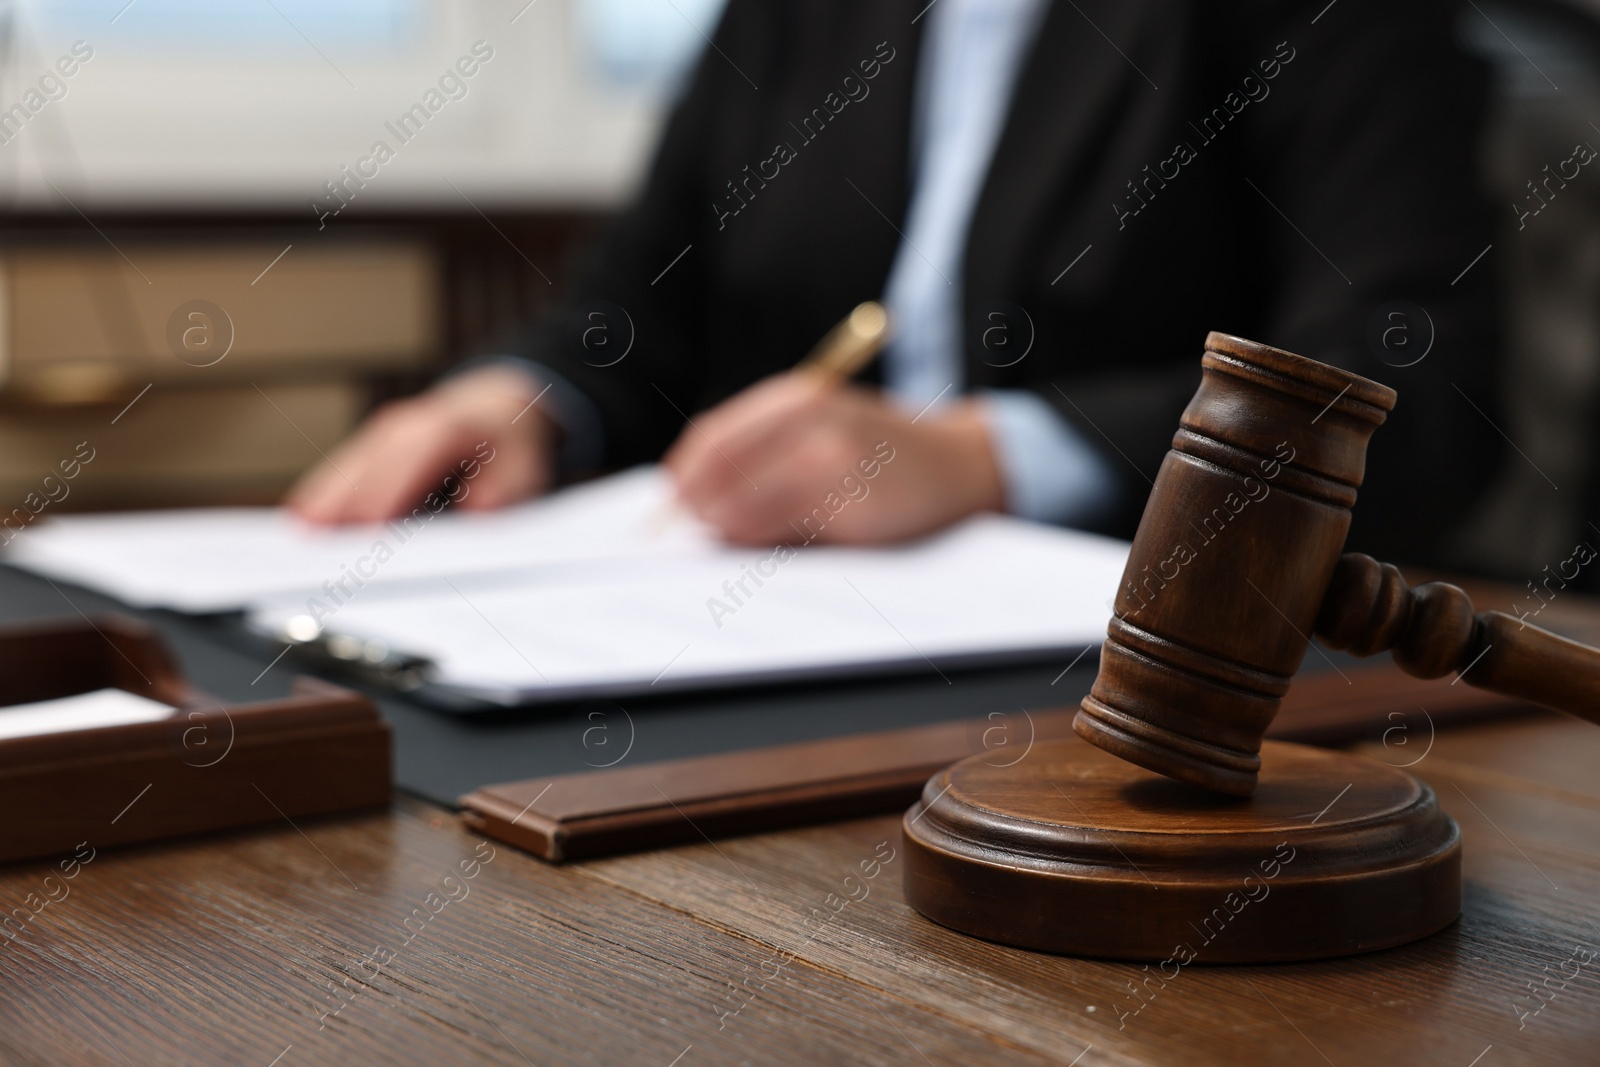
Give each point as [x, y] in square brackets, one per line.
[583, 439]
[1050, 473]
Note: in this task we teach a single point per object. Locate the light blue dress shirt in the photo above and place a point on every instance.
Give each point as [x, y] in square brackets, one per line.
[971, 53]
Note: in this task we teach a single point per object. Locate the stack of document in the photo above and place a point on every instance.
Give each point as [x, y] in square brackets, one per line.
[601, 590]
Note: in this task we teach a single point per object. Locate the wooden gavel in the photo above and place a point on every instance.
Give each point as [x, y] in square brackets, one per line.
[1237, 562]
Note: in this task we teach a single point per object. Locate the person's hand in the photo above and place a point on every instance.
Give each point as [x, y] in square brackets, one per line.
[793, 460]
[479, 429]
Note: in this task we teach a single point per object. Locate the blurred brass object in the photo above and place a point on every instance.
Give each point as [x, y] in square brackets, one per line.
[851, 345]
[83, 324]
[171, 447]
[66, 384]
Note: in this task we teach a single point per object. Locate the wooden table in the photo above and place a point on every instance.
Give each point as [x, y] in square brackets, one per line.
[320, 943]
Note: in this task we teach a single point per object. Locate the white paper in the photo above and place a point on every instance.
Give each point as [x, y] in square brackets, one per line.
[600, 590]
[83, 711]
[988, 589]
[221, 559]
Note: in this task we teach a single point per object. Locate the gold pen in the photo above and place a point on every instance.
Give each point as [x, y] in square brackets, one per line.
[849, 346]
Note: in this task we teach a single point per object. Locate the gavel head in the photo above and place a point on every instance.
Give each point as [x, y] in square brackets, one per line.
[1233, 557]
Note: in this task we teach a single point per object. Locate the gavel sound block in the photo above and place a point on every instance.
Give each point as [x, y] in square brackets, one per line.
[1244, 851]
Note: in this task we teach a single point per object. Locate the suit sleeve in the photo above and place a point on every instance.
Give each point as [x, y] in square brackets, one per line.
[626, 336]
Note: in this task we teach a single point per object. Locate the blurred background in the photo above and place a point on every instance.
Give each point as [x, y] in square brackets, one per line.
[193, 189]
[200, 205]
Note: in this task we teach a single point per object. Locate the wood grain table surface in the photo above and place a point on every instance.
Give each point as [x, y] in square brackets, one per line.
[398, 937]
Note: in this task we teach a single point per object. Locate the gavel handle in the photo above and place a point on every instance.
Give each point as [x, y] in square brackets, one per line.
[1434, 631]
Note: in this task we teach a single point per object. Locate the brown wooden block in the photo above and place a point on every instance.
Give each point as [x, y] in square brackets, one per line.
[210, 766]
[652, 805]
[655, 804]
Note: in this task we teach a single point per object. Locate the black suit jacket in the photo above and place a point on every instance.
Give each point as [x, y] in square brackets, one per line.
[1197, 166]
